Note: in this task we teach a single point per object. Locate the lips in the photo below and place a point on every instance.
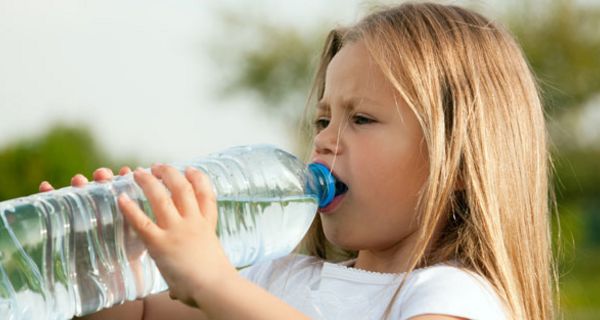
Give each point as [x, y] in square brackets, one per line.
[333, 205]
[340, 191]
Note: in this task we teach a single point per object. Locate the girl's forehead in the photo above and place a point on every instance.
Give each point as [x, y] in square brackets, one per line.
[353, 75]
[351, 58]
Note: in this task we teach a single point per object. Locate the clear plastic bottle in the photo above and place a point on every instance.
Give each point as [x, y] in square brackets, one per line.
[69, 252]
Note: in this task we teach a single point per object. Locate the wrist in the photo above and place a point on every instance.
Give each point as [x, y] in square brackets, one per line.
[214, 287]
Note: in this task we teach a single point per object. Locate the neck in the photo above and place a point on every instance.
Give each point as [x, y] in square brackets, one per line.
[395, 258]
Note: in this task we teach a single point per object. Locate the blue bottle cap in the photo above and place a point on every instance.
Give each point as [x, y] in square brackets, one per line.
[326, 182]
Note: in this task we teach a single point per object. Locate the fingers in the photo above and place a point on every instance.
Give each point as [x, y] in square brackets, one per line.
[124, 170]
[45, 186]
[79, 180]
[204, 194]
[163, 207]
[102, 174]
[138, 219]
[182, 192]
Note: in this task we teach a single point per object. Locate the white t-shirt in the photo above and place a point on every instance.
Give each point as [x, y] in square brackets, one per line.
[324, 290]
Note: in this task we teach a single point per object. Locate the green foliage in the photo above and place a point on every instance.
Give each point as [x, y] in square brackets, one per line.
[563, 46]
[56, 156]
[577, 175]
[580, 286]
[276, 63]
[281, 62]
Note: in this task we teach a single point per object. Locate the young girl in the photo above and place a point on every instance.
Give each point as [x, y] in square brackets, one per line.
[430, 115]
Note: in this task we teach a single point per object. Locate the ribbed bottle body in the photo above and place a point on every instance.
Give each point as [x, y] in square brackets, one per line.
[70, 252]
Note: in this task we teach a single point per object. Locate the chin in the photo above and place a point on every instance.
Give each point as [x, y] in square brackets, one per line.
[346, 242]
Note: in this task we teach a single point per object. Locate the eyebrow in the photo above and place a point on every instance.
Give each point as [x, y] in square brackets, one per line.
[348, 103]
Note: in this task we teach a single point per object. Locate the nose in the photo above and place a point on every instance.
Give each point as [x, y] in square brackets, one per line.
[329, 140]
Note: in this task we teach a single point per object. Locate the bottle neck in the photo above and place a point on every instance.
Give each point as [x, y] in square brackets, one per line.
[322, 183]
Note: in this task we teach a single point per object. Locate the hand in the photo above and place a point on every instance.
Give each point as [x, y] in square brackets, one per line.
[182, 242]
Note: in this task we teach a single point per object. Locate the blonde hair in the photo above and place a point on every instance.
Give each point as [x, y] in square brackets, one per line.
[469, 85]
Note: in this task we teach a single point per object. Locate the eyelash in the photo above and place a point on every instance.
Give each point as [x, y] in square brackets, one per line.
[322, 122]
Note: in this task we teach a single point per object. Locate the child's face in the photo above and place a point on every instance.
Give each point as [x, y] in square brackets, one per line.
[373, 143]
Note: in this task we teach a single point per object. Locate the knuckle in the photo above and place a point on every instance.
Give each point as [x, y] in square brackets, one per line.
[206, 194]
[187, 188]
[146, 225]
[165, 203]
[204, 180]
[181, 187]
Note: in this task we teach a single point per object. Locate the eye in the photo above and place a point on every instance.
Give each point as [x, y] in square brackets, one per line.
[321, 123]
[362, 120]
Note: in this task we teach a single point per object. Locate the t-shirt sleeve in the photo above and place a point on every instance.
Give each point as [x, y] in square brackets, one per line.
[448, 290]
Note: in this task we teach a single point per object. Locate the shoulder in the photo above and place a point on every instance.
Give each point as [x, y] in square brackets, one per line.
[452, 291]
[290, 267]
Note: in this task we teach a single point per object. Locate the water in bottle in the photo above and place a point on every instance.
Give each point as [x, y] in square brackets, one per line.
[70, 252]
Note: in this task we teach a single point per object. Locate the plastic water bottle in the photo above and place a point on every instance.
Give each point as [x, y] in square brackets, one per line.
[70, 252]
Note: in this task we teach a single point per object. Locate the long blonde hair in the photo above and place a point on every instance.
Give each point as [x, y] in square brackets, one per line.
[469, 85]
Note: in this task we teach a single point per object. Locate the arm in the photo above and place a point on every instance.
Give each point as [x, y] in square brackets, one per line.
[129, 310]
[155, 307]
[185, 247]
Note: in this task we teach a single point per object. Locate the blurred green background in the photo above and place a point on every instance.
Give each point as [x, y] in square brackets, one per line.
[560, 38]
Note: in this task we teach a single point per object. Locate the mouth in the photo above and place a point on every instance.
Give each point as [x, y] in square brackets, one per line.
[340, 187]
[340, 191]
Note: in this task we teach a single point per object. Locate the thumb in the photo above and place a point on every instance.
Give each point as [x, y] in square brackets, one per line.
[138, 220]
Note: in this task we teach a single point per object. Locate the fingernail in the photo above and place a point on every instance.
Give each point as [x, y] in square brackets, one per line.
[125, 197]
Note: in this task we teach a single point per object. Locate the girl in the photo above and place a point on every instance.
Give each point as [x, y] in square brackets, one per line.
[431, 117]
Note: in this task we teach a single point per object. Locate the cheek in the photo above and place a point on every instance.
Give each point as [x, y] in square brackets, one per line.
[395, 188]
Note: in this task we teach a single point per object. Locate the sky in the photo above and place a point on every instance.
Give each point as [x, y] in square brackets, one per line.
[138, 73]
[133, 72]
[128, 70]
